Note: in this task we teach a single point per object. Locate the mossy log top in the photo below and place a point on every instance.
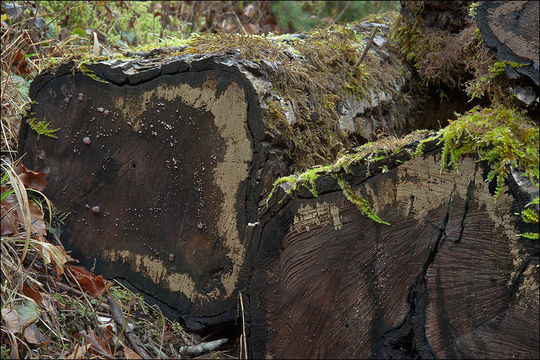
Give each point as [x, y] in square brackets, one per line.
[316, 99]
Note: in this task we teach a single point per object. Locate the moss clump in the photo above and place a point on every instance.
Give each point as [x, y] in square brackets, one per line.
[530, 216]
[42, 127]
[501, 136]
[89, 72]
[360, 201]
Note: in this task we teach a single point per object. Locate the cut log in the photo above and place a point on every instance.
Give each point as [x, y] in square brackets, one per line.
[161, 160]
[449, 278]
[155, 179]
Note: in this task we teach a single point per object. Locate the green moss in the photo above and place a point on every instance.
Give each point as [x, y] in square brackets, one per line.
[499, 135]
[368, 154]
[42, 127]
[359, 200]
[82, 67]
[530, 215]
[472, 9]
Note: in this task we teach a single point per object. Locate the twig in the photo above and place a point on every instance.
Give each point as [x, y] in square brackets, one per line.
[244, 342]
[194, 350]
[341, 12]
[160, 354]
[370, 41]
[121, 321]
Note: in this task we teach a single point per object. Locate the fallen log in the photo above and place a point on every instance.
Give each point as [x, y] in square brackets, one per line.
[449, 278]
[160, 159]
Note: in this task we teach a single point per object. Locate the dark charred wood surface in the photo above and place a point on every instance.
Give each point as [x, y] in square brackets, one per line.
[170, 165]
[512, 27]
[448, 279]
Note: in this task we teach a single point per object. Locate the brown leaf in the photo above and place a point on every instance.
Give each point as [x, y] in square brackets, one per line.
[31, 179]
[78, 351]
[10, 214]
[54, 254]
[130, 354]
[12, 217]
[33, 335]
[97, 345]
[31, 291]
[12, 320]
[36, 218]
[249, 10]
[252, 29]
[95, 285]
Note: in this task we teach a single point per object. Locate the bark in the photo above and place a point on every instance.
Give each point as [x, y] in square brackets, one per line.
[512, 28]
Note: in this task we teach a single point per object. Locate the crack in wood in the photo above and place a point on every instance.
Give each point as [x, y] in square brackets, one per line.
[408, 340]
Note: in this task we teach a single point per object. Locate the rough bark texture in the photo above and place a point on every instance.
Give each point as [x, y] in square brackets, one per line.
[175, 153]
[512, 27]
[449, 278]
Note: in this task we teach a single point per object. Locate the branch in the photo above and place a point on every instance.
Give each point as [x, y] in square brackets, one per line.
[194, 350]
[370, 41]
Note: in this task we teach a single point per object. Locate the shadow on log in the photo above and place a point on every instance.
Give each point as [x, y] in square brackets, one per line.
[449, 278]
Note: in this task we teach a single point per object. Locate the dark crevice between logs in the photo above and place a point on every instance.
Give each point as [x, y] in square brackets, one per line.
[408, 340]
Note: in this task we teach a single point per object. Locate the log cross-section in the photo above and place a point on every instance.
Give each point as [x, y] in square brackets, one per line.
[449, 278]
[167, 163]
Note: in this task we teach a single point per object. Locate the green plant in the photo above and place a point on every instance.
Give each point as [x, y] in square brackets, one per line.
[358, 200]
[42, 127]
[530, 216]
[501, 136]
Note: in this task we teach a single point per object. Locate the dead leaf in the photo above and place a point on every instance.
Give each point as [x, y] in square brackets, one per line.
[252, 29]
[95, 285]
[130, 354]
[54, 254]
[33, 335]
[12, 320]
[97, 346]
[36, 218]
[28, 312]
[78, 351]
[12, 216]
[31, 291]
[249, 10]
[31, 179]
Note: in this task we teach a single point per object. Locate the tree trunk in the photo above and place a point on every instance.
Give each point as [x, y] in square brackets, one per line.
[450, 278]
